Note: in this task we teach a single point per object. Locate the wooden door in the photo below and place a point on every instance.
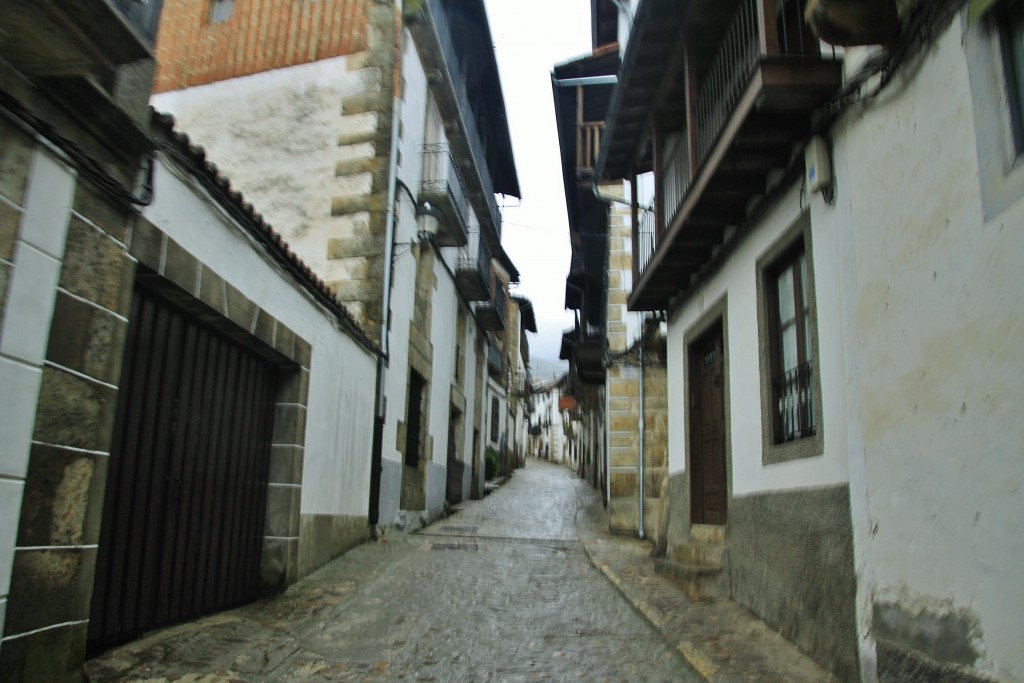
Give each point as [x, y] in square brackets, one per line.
[453, 489]
[709, 490]
[185, 501]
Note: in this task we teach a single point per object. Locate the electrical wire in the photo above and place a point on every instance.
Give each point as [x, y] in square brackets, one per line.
[82, 160]
[923, 26]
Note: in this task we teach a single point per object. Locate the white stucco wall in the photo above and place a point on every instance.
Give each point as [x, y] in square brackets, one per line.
[445, 299]
[275, 135]
[339, 423]
[737, 280]
[934, 302]
[442, 336]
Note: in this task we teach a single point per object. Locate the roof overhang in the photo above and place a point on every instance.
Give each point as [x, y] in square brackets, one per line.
[656, 29]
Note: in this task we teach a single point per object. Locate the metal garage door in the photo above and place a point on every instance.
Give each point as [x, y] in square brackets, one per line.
[186, 488]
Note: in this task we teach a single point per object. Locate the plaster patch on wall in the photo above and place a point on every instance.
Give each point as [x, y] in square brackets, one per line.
[68, 504]
[935, 628]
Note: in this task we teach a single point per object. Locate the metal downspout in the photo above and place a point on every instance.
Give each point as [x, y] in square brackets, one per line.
[376, 455]
[641, 424]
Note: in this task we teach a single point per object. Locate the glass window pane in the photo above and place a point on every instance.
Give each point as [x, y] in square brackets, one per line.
[802, 264]
[787, 309]
[1011, 20]
[789, 355]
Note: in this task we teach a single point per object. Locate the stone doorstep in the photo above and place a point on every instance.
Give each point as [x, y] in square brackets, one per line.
[699, 582]
[699, 554]
[707, 533]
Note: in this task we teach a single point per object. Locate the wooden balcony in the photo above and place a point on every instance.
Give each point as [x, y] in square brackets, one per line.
[490, 314]
[738, 107]
[585, 353]
[474, 269]
[495, 361]
[77, 37]
[442, 187]
[589, 359]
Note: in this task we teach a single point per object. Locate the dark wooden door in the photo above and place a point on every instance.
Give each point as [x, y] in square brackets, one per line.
[453, 488]
[708, 480]
[185, 500]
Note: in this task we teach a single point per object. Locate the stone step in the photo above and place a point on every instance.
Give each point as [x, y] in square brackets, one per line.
[701, 584]
[707, 533]
[698, 554]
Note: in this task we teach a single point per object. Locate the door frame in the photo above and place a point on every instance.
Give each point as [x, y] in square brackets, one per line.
[714, 318]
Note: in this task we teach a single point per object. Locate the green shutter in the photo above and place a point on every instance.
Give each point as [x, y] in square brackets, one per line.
[976, 9]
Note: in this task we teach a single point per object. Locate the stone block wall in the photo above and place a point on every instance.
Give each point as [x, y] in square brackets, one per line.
[623, 387]
[66, 267]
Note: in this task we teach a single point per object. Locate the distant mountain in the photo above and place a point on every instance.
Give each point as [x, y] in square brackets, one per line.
[543, 368]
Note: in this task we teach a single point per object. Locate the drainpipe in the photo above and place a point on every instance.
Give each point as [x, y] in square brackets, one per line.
[376, 457]
[641, 425]
[625, 12]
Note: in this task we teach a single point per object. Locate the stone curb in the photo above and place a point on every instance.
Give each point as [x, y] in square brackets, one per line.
[699, 661]
[720, 640]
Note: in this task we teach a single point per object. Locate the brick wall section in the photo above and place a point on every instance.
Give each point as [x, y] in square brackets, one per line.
[260, 35]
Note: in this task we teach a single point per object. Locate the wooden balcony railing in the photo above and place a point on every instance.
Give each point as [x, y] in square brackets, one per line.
[749, 38]
[588, 144]
[647, 240]
[675, 173]
[747, 102]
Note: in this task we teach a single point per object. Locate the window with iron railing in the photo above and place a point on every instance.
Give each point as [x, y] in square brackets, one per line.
[793, 411]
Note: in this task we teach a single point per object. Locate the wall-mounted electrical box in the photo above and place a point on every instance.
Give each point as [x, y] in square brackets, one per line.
[817, 165]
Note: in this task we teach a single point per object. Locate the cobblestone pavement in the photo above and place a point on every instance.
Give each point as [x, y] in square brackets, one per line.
[500, 591]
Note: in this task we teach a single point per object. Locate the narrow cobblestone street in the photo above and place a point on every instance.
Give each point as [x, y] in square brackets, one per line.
[500, 591]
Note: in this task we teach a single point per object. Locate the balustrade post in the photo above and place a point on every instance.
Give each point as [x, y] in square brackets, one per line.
[692, 128]
[658, 142]
[634, 207]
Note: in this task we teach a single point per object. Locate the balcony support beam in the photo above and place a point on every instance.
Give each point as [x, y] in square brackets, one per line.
[769, 33]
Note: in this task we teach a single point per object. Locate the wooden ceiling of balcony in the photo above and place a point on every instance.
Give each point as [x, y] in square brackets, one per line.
[758, 151]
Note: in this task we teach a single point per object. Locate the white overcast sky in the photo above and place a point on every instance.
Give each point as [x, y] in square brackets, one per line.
[530, 37]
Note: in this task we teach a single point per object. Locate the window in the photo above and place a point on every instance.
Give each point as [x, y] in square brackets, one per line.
[413, 418]
[1010, 19]
[221, 10]
[994, 50]
[791, 414]
[494, 419]
[789, 310]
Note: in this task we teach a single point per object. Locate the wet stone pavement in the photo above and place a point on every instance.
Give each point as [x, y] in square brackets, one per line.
[500, 591]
